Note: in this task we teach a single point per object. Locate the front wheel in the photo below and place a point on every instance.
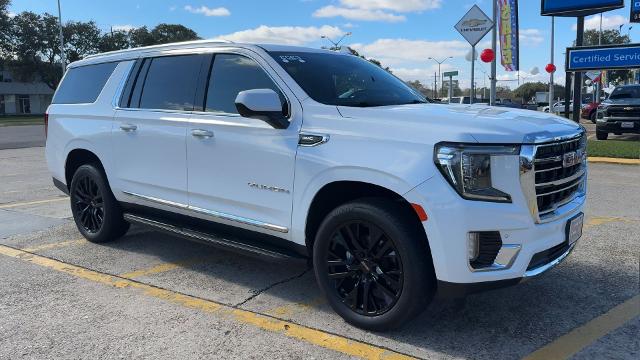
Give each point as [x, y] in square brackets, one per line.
[373, 264]
[602, 135]
[95, 210]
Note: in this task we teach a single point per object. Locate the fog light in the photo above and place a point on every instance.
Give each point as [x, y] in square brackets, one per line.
[473, 246]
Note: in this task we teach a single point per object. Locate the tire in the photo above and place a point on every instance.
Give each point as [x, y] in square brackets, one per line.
[399, 286]
[592, 117]
[95, 210]
[601, 135]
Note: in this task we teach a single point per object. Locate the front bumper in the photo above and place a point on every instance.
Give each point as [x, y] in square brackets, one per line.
[614, 125]
[451, 218]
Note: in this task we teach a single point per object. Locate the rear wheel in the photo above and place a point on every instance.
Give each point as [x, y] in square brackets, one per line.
[373, 265]
[592, 117]
[95, 210]
[602, 135]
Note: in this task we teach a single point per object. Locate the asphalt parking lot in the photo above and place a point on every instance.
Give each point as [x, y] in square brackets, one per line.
[156, 296]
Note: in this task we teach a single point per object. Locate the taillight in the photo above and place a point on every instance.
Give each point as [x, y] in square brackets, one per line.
[46, 124]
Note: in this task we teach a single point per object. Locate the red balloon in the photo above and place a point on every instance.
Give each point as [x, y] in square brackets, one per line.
[487, 55]
[550, 68]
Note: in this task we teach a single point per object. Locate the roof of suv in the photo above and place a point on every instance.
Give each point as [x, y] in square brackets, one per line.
[133, 53]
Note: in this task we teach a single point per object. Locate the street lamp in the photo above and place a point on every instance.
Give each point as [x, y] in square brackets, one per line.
[62, 59]
[439, 74]
[336, 44]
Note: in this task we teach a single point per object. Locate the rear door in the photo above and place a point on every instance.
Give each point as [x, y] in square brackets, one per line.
[241, 170]
[150, 129]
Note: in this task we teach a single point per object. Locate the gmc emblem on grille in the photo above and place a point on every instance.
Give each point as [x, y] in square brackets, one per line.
[571, 158]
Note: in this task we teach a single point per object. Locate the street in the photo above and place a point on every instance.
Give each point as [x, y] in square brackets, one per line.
[153, 295]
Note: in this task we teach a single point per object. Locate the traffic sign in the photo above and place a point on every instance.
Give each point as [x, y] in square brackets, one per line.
[450, 73]
[474, 25]
[593, 74]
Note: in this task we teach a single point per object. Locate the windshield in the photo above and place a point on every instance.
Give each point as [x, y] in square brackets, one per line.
[625, 93]
[345, 80]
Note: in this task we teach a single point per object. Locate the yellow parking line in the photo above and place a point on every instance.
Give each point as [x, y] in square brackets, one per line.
[17, 204]
[160, 268]
[617, 161]
[599, 220]
[55, 245]
[579, 338]
[313, 336]
[294, 308]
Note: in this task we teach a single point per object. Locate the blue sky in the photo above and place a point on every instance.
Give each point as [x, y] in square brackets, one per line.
[402, 34]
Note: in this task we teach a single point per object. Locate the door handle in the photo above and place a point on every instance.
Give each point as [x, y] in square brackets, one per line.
[128, 127]
[204, 134]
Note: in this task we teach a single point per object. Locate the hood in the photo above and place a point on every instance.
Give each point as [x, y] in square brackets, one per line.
[629, 101]
[483, 123]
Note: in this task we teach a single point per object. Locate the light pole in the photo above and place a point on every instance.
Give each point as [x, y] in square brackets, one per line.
[439, 73]
[62, 58]
[336, 44]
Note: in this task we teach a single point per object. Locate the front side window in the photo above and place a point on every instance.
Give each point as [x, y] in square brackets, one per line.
[345, 80]
[83, 84]
[231, 74]
[171, 83]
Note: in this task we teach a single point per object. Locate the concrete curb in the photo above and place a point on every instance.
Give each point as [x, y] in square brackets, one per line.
[607, 160]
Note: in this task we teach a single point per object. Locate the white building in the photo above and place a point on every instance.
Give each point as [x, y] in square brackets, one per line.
[19, 98]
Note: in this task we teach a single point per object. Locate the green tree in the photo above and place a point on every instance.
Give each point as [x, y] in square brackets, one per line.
[609, 37]
[114, 40]
[140, 37]
[80, 39]
[419, 87]
[5, 30]
[169, 33]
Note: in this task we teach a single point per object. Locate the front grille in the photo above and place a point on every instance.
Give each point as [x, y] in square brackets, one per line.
[557, 178]
[619, 111]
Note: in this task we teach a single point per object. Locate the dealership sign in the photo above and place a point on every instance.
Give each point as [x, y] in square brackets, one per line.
[474, 25]
[635, 11]
[578, 7]
[603, 57]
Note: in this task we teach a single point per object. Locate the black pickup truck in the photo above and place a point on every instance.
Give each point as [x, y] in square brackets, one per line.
[620, 113]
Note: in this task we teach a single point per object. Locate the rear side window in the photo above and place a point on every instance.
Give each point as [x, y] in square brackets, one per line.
[83, 84]
[232, 74]
[171, 83]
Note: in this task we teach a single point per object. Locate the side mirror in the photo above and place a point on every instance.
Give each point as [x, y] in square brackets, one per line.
[263, 104]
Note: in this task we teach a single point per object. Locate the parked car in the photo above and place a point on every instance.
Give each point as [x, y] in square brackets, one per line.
[558, 107]
[620, 113]
[589, 111]
[289, 152]
[508, 103]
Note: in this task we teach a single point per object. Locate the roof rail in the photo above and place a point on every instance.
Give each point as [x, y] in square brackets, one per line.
[159, 46]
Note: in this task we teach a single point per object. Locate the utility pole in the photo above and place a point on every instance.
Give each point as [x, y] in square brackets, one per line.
[553, 31]
[62, 57]
[336, 44]
[494, 36]
[577, 77]
[439, 73]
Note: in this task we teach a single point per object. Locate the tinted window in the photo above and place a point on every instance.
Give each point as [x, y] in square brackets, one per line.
[347, 80]
[625, 92]
[231, 74]
[171, 83]
[83, 84]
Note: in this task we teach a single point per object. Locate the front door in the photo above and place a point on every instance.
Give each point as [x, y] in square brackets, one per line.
[241, 170]
[149, 132]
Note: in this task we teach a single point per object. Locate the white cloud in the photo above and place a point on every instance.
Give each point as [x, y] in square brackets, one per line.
[393, 5]
[423, 74]
[376, 10]
[531, 37]
[206, 11]
[11, 14]
[398, 52]
[357, 14]
[608, 22]
[286, 35]
[124, 27]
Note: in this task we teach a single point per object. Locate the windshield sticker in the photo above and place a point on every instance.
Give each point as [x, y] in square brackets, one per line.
[291, 58]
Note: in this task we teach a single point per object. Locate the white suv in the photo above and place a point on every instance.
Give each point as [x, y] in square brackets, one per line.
[304, 153]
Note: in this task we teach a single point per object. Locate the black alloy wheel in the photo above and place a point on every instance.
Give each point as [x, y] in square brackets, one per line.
[365, 267]
[89, 203]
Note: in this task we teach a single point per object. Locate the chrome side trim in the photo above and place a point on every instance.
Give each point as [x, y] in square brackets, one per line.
[548, 266]
[239, 219]
[211, 213]
[157, 200]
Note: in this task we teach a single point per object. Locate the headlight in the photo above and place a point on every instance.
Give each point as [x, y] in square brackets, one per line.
[468, 169]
